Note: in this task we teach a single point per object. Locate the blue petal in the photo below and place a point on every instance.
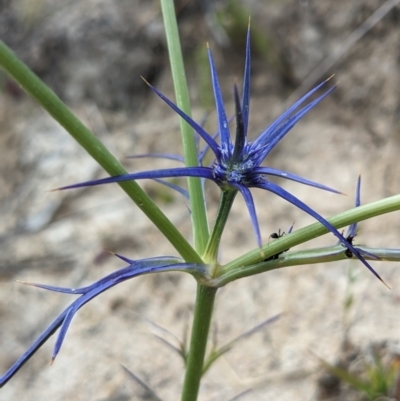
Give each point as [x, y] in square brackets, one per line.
[114, 279]
[202, 155]
[158, 156]
[206, 136]
[276, 189]
[240, 138]
[137, 268]
[32, 349]
[288, 112]
[248, 198]
[175, 187]
[134, 266]
[280, 127]
[246, 85]
[203, 152]
[203, 172]
[368, 254]
[293, 177]
[274, 137]
[225, 137]
[352, 230]
[64, 290]
[125, 259]
[358, 190]
[170, 157]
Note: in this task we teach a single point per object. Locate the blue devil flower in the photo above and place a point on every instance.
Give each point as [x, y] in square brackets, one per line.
[237, 165]
[63, 321]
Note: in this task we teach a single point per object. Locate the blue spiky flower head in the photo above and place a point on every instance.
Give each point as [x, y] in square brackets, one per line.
[237, 164]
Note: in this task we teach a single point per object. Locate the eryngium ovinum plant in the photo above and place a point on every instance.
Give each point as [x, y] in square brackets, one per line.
[237, 167]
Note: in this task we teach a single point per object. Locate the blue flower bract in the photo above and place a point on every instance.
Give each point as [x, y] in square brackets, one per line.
[237, 164]
[135, 268]
[351, 232]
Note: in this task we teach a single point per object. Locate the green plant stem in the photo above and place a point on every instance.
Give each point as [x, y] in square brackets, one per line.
[197, 200]
[201, 326]
[299, 258]
[60, 112]
[205, 295]
[315, 230]
[225, 204]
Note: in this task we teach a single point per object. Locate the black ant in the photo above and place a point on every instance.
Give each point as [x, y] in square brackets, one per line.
[347, 252]
[277, 235]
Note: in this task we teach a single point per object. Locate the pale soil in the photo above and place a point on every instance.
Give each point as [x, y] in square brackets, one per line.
[59, 238]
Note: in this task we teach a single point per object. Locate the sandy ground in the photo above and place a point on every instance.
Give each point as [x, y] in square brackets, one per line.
[59, 238]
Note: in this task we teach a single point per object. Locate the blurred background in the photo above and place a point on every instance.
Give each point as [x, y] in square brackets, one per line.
[92, 54]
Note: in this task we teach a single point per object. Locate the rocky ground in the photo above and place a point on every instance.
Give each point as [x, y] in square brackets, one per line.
[92, 54]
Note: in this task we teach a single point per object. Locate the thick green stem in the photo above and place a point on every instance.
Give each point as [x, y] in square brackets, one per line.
[60, 112]
[201, 326]
[197, 202]
[225, 204]
[205, 296]
[204, 304]
[314, 230]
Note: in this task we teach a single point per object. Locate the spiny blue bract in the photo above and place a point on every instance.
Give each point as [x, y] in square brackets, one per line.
[134, 269]
[237, 165]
